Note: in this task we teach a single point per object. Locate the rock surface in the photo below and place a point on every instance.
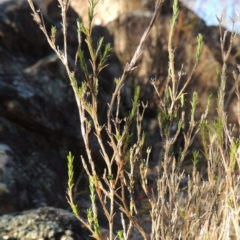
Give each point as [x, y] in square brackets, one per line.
[43, 223]
[33, 125]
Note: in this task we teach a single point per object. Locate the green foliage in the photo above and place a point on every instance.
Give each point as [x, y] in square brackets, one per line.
[218, 73]
[104, 57]
[195, 158]
[218, 130]
[182, 100]
[194, 103]
[234, 146]
[135, 103]
[120, 235]
[53, 34]
[95, 54]
[91, 14]
[82, 90]
[173, 21]
[92, 213]
[71, 184]
[70, 170]
[199, 47]
[204, 129]
[83, 63]
[73, 81]
[171, 67]
[110, 177]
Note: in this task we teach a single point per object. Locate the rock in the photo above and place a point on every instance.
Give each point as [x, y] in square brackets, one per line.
[8, 171]
[38, 115]
[43, 223]
[16, 193]
[108, 11]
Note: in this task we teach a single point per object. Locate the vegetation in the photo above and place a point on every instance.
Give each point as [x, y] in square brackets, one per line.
[182, 207]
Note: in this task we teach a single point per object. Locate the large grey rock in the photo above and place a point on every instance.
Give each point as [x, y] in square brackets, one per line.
[32, 125]
[43, 223]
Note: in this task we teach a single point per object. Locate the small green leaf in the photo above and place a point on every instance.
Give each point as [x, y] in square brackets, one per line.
[99, 45]
[194, 103]
[70, 170]
[53, 34]
[135, 103]
[82, 61]
[120, 234]
[199, 47]
[175, 14]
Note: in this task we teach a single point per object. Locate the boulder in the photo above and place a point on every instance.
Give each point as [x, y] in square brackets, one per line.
[42, 223]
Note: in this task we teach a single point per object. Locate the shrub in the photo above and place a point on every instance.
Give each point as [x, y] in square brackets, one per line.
[182, 207]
